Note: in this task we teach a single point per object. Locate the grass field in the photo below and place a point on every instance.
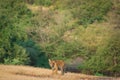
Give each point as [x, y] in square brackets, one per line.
[10, 72]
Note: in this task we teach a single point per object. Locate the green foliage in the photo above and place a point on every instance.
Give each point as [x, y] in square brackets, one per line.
[49, 30]
[63, 50]
[61, 36]
[87, 11]
[57, 33]
[20, 56]
[98, 74]
[37, 56]
[43, 2]
[107, 58]
[12, 14]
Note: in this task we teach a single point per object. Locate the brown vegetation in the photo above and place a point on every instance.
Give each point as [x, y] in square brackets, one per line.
[10, 72]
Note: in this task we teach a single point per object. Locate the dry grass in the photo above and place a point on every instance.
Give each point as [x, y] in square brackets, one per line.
[10, 72]
[35, 8]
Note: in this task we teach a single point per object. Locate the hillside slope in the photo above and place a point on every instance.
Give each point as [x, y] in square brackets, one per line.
[33, 33]
[88, 29]
[10, 72]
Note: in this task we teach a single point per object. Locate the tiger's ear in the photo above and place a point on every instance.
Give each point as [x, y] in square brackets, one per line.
[49, 60]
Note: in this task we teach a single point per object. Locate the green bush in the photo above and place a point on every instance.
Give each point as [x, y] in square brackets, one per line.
[87, 11]
[43, 2]
[13, 17]
[106, 60]
[90, 11]
[36, 55]
[98, 74]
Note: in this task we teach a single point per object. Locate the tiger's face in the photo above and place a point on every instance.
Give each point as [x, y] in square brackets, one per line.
[52, 63]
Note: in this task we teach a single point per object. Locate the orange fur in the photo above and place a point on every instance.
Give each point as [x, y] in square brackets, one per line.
[55, 64]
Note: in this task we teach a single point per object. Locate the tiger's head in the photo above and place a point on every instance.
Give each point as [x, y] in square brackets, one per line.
[51, 63]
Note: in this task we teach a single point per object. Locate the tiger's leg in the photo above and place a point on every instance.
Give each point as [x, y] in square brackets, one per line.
[62, 70]
[55, 69]
[52, 70]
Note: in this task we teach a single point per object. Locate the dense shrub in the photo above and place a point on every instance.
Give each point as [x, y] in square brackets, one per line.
[36, 55]
[43, 2]
[87, 11]
[107, 58]
[12, 14]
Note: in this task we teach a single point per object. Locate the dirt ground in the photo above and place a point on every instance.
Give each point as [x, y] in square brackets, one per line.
[10, 72]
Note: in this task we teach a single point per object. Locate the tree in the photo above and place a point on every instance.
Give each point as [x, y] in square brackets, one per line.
[12, 14]
[36, 55]
[107, 58]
